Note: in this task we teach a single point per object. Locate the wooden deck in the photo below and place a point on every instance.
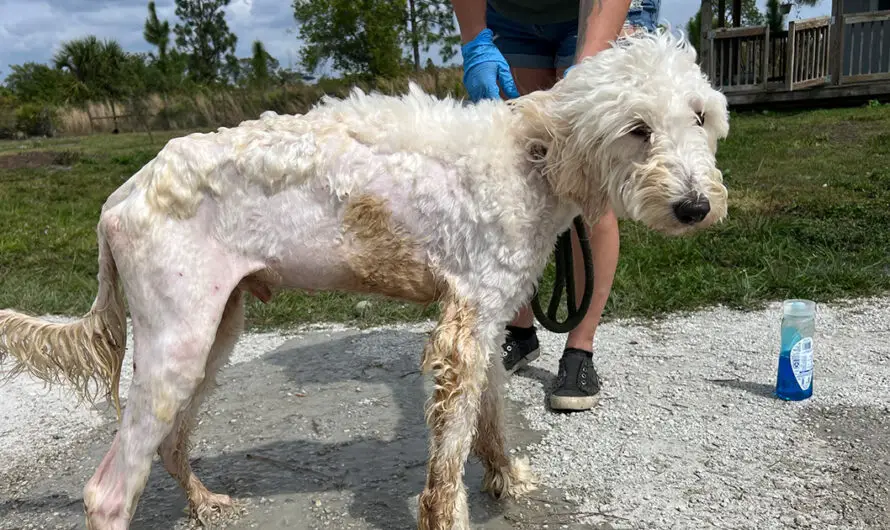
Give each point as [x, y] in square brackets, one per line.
[840, 59]
[823, 96]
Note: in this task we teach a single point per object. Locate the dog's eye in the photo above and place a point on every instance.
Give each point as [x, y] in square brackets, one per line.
[641, 131]
[700, 118]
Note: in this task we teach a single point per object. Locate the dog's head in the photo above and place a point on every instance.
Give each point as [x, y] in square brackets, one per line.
[638, 125]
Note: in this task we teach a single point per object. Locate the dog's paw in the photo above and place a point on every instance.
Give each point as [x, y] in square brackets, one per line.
[511, 481]
[208, 509]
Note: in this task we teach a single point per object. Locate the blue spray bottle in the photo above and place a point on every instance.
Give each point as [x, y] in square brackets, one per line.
[795, 378]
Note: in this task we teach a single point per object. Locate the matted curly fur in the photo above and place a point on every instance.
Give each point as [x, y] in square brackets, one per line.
[410, 197]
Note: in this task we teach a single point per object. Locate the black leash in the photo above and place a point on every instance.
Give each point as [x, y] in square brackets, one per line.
[565, 279]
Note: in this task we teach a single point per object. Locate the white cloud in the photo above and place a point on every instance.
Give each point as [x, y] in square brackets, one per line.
[241, 9]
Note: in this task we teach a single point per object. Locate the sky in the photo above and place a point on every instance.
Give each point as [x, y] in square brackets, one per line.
[32, 30]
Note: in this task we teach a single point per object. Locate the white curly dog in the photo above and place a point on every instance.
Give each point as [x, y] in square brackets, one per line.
[408, 197]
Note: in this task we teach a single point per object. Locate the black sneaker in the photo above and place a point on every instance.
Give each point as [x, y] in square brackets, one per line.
[520, 347]
[577, 383]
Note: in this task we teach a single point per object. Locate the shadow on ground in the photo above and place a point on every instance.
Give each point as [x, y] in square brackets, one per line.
[758, 389]
[325, 432]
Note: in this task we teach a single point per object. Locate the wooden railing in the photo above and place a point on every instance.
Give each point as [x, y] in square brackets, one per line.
[806, 63]
[753, 58]
[740, 58]
[865, 41]
[843, 49]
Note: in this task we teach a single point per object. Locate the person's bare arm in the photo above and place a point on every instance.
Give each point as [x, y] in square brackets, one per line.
[470, 17]
[599, 22]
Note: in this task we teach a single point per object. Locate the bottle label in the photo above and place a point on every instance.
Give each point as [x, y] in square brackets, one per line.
[802, 362]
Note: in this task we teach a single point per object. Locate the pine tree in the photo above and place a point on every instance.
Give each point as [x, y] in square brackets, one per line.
[774, 17]
[431, 22]
[205, 37]
[259, 65]
[157, 33]
[369, 36]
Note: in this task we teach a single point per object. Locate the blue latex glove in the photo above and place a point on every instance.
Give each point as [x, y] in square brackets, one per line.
[485, 67]
[566, 71]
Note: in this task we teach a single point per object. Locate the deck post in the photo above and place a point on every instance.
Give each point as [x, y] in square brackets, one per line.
[789, 57]
[766, 58]
[836, 41]
[705, 43]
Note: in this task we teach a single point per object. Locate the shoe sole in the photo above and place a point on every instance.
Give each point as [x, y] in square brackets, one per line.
[522, 363]
[574, 402]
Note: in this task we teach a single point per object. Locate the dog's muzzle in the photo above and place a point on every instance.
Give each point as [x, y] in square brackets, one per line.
[692, 210]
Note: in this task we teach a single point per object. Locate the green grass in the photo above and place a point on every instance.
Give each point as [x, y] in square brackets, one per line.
[809, 217]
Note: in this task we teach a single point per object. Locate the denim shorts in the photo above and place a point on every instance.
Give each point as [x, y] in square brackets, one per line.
[553, 45]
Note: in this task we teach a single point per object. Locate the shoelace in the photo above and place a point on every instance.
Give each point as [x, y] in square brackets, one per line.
[581, 373]
[508, 347]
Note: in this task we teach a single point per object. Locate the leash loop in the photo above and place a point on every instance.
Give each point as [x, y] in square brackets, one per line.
[565, 280]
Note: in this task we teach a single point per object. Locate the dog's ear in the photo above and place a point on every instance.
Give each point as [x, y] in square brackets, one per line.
[565, 159]
[565, 163]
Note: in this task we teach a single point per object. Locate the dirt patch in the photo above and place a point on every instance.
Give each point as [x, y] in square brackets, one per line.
[756, 202]
[38, 159]
[847, 132]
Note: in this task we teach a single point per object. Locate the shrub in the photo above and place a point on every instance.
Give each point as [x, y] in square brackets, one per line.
[35, 119]
[7, 116]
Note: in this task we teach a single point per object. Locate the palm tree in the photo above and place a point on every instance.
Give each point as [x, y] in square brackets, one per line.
[83, 59]
[99, 67]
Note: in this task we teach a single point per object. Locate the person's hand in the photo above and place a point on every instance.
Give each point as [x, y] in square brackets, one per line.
[485, 67]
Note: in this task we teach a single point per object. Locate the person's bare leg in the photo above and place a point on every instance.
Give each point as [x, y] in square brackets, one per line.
[604, 246]
[577, 383]
[529, 80]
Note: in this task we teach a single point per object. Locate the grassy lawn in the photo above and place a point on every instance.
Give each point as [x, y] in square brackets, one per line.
[809, 217]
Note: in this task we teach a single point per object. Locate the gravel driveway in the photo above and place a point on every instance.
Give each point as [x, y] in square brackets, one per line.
[324, 429]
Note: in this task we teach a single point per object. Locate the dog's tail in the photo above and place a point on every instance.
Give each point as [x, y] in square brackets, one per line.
[86, 352]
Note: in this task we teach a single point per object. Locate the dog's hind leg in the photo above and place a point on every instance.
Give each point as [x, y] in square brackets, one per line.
[457, 355]
[176, 314]
[169, 368]
[174, 450]
[504, 477]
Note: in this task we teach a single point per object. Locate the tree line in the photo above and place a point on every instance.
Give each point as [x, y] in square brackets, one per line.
[358, 38]
[362, 39]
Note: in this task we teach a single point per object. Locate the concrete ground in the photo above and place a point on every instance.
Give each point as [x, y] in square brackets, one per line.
[324, 429]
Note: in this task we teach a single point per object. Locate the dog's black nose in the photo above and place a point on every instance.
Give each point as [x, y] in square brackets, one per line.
[691, 211]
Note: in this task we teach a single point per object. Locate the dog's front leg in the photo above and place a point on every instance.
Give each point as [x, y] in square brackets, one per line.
[456, 356]
[504, 476]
